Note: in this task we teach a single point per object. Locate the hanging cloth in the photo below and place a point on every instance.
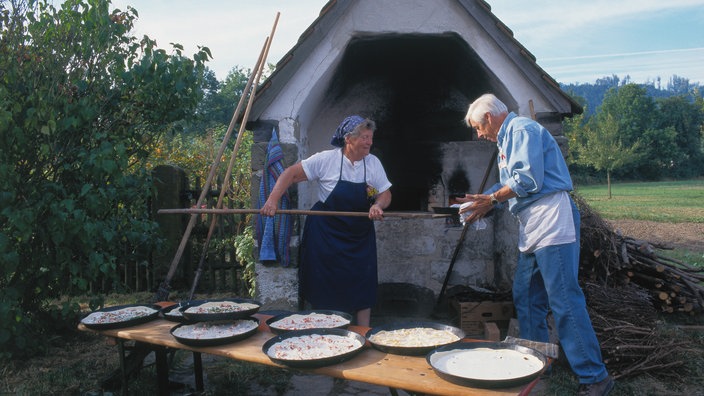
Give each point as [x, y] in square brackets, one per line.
[274, 233]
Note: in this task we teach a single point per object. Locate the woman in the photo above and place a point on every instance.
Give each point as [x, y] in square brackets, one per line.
[338, 269]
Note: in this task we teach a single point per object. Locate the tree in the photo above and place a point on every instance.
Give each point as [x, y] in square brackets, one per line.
[600, 145]
[81, 103]
[678, 85]
[635, 113]
[591, 95]
[686, 118]
[222, 97]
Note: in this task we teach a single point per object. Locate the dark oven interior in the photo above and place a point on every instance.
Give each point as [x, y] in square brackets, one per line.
[417, 88]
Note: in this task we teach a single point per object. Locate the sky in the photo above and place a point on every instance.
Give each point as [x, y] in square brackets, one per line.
[574, 41]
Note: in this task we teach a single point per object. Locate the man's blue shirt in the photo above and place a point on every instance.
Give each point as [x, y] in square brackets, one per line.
[530, 162]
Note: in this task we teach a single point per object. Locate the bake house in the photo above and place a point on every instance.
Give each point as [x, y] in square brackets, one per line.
[412, 66]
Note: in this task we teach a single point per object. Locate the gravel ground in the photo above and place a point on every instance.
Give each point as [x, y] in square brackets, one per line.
[689, 236]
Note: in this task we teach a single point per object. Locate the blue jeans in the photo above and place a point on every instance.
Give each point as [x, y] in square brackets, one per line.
[548, 279]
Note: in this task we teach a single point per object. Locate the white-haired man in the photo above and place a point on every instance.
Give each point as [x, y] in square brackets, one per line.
[535, 181]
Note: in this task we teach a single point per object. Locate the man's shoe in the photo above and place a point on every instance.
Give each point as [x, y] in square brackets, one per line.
[601, 388]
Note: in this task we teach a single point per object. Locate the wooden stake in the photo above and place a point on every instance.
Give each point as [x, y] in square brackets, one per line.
[233, 157]
[163, 291]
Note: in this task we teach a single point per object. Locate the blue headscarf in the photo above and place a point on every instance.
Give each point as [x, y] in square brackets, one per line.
[346, 126]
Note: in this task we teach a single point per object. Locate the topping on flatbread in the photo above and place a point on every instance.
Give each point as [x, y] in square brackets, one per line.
[118, 315]
[315, 346]
[310, 321]
[214, 330]
[175, 312]
[413, 337]
[221, 307]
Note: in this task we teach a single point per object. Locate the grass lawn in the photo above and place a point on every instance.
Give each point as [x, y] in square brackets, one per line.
[671, 202]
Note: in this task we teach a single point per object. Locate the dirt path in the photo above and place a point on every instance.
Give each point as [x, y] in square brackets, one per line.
[689, 236]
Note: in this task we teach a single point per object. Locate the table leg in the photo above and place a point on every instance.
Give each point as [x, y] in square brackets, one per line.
[123, 370]
[162, 370]
[198, 369]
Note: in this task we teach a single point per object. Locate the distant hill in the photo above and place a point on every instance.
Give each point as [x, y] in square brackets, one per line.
[590, 96]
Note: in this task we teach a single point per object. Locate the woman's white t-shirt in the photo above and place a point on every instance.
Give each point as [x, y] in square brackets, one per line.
[324, 167]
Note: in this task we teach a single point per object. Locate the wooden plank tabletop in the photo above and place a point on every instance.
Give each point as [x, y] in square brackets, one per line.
[411, 373]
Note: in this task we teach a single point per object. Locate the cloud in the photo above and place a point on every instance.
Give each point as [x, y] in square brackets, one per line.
[578, 40]
[544, 20]
[640, 66]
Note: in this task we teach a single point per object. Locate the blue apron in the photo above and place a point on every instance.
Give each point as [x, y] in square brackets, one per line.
[338, 268]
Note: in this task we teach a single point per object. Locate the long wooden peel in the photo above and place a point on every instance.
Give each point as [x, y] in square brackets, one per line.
[403, 215]
[163, 291]
[233, 157]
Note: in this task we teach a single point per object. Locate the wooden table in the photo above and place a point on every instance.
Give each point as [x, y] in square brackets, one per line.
[410, 373]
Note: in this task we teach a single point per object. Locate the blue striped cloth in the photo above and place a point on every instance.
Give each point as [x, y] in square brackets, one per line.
[274, 235]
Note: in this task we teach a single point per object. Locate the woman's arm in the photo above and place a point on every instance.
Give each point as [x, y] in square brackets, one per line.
[292, 174]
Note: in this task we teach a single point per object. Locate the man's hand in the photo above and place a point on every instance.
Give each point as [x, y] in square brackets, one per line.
[481, 205]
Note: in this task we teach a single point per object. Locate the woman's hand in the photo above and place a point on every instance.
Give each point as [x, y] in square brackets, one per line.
[383, 200]
[376, 212]
[269, 208]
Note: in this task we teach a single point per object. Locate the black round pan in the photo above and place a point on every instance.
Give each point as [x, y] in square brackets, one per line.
[124, 323]
[313, 363]
[435, 355]
[403, 350]
[279, 330]
[204, 317]
[446, 210]
[173, 313]
[214, 341]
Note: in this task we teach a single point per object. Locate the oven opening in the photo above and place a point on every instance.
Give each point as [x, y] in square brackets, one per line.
[417, 88]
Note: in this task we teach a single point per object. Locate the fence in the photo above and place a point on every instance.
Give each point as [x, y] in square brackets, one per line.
[221, 272]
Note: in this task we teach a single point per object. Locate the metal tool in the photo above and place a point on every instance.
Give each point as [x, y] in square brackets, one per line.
[465, 227]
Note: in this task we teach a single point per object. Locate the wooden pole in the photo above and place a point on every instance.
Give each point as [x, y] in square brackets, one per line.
[233, 157]
[163, 291]
[406, 215]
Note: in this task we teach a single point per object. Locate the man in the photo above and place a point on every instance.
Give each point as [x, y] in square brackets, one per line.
[535, 181]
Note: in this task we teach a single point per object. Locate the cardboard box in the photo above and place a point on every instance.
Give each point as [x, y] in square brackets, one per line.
[473, 314]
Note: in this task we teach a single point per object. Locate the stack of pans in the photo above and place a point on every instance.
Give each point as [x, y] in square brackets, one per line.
[310, 339]
[213, 322]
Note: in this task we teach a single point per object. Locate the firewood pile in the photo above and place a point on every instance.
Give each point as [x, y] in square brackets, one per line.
[617, 260]
[623, 320]
[626, 284]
